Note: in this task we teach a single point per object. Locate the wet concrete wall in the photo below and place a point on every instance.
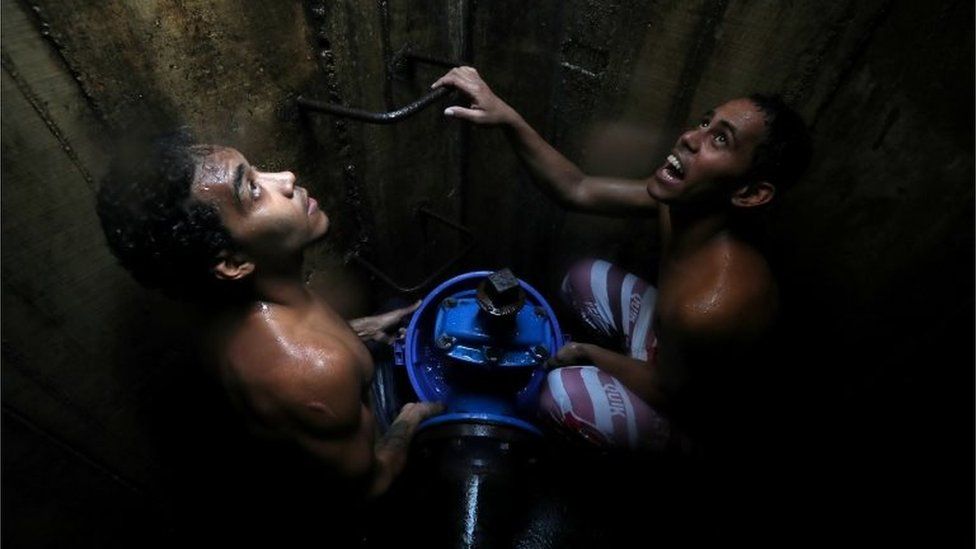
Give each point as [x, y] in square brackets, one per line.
[876, 243]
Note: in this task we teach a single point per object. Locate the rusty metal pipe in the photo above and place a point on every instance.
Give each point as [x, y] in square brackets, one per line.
[375, 117]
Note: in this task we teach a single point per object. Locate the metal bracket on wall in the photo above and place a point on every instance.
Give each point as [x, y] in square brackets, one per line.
[401, 63]
[423, 210]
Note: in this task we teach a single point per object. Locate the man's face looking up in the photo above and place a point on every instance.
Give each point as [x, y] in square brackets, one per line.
[712, 159]
[266, 214]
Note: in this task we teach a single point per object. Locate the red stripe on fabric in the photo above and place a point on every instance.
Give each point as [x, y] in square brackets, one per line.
[615, 283]
[580, 283]
[636, 300]
[581, 403]
[617, 409]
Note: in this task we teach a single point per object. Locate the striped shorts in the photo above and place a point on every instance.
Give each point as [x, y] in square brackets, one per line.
[585, 403]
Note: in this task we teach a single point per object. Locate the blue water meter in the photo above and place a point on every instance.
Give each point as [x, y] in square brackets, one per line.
[479, 343]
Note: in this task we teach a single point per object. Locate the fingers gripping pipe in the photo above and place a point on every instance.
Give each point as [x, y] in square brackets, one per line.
[402, 62]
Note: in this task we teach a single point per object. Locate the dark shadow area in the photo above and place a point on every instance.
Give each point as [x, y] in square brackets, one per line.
[875, 413]
[54, 497]
[481, 486]
[855, 427]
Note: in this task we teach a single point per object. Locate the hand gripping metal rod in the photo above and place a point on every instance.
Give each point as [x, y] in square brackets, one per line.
[375, 117]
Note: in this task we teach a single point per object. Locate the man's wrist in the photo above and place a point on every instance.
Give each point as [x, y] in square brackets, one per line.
[583, 351]
[508, 117]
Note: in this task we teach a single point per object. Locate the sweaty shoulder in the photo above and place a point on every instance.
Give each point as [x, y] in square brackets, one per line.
[736, 301]
[290, 376]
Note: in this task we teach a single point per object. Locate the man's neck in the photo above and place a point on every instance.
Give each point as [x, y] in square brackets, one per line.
[691, 231]
[282, 284]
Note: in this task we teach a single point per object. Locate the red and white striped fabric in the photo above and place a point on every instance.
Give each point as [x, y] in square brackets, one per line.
[584, 402]
[614, 303]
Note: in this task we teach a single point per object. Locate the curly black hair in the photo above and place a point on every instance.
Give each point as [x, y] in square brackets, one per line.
[159, 233]
[785, 153]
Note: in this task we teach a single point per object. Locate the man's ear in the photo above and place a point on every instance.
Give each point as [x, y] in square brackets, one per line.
[232, 266]
[754, 194]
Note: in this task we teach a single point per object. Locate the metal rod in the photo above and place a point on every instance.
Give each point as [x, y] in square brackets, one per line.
[434, 275]
[375, 117]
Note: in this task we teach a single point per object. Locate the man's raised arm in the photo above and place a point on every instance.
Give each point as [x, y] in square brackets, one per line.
[553, 172]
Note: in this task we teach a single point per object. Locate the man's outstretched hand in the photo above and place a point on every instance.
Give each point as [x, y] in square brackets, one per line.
[486, 107]
[378, 327]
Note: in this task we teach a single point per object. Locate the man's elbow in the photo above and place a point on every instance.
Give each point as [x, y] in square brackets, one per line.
[575, 196]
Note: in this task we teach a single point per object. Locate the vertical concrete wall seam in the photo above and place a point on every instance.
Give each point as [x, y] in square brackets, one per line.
[44, 29]
[318, 14]
[853, 61]
[800, 82]
[461, 49]
[42, 112]
[709, 23]
[383, 9]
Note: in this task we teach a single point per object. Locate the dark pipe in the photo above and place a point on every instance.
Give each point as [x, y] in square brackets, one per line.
[476, 486]
[375, 117]
[434, 275]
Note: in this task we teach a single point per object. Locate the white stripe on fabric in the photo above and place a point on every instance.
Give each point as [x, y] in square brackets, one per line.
[631, 415]
[598, 284]
[625, 290]
[558, 390]
[638, 342]
[601, 407]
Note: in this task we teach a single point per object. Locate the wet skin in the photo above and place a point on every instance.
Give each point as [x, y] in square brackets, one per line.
[715, 290]
[716, 293]
[285, 361]
[265, 212]
[290, 362]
